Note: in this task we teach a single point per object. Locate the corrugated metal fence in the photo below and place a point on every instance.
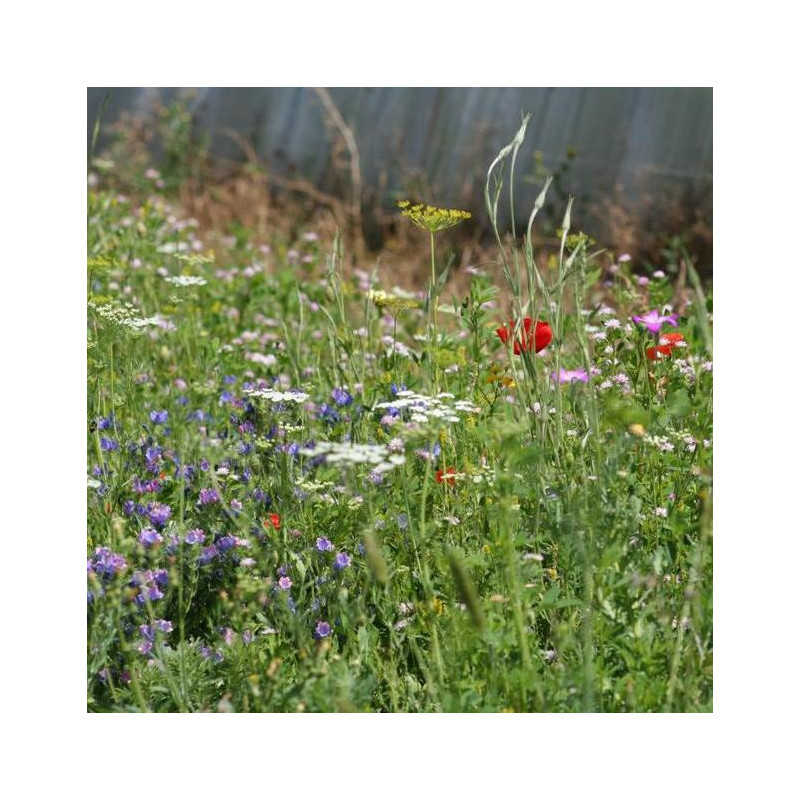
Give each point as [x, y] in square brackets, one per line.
[652, 144]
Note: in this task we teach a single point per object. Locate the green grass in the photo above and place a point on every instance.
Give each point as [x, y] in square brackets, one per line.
[565, 564]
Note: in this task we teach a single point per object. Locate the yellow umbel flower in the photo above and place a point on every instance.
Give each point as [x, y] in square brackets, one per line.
[431, 218]
[393, 302]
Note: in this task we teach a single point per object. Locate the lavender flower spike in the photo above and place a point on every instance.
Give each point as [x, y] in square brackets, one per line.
[654, 321]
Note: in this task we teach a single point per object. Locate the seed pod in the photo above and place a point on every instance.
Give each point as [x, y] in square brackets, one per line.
[466, 588]
[375, 560]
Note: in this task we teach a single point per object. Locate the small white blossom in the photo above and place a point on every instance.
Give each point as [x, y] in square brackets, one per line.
[278, 397]
[186, 280]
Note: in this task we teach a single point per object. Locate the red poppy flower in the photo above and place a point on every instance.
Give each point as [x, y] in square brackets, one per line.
[440, 473]
[536, 339]
[666, 344]
[273, 521]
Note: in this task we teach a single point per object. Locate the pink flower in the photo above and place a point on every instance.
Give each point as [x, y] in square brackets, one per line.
[654, 321]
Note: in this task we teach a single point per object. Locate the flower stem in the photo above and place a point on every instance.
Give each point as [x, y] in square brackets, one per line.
[433, 318]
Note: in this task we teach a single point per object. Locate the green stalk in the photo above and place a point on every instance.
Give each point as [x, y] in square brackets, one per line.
[434, 319]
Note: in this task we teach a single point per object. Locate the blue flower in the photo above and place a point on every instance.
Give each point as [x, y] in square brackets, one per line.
[208, 496]
[109, 445]
[158, 417]
[104, 423]
[341, 397]
[328, 414]
[322, 630]
[208, 554]
[324, 544]
[149, 537]
[107, 562]
[195, 536]
[158, 513]
[341, 561]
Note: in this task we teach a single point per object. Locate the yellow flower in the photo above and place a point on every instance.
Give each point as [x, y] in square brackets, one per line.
[393, 302]
[431, 218]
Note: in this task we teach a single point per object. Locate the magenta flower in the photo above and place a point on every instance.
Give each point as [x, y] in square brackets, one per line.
[654, 321]
[571, 376]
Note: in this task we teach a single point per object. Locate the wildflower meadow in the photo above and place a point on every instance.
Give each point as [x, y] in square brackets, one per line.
[310, 489]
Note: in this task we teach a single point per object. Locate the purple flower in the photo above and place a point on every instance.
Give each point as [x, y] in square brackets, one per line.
[208, 496]
[164, 625]
[341, 397]
[195, 536]
[145, 648]
[158, 513]
[571, 376]
[654, 321]
[149, 537]
[147, 632]
[324, 544]
[341, 561]
[148, 593]
[285, 583]
[161, 577]
[158, 417]
[322, 630]
[106, 562]
[328, 414]
[109, 445]
[208, 554]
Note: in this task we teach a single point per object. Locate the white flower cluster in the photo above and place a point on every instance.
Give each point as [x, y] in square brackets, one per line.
[393, 346]
[186, 280]
[124, 315]
[377, 455]
[275, 396]
[424, 408]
